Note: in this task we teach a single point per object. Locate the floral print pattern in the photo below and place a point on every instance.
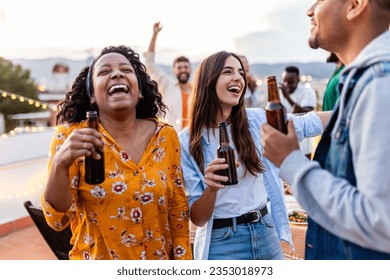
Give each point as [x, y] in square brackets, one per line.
[98, 192]
[119, 187]
[139, 212]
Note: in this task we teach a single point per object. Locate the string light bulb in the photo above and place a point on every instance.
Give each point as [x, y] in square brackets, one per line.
[30, 101]
[24, 193]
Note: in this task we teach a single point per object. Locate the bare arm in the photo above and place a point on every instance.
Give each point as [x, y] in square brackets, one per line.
[57, 191]
[156, 29]
[296, 107]
[203, 207]
[81, 142]
[299, 109]
[324, 116]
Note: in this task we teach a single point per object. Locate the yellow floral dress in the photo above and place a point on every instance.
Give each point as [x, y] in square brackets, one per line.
[139, 212]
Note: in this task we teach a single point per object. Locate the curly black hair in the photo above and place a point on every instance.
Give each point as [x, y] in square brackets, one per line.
[77, 100]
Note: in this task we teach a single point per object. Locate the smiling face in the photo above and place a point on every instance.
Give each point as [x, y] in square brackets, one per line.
[182, 71]
[115, 84]
[328, 19]
[290, 81]
[231, 83]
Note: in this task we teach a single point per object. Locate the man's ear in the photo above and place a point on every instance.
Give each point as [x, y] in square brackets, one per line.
[356, 8]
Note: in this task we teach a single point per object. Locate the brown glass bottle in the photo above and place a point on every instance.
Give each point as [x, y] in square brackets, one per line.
[226, 151]
[276, 112]
[94, 169]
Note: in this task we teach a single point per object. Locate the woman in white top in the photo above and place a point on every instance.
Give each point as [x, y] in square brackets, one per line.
[234, 222]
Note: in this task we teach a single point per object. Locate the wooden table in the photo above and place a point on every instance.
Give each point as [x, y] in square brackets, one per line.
[298, 237]
[298, 234]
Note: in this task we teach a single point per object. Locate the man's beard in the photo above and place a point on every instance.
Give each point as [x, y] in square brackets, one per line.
[332, 58]
[183, 78]
[313, 42]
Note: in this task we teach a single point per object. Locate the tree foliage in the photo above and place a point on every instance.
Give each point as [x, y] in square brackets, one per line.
[15, 79]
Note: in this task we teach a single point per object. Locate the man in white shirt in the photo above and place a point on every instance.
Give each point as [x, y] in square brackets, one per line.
[176, 93]
[298, 99]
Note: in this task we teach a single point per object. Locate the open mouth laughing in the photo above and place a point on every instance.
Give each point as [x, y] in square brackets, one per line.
[234, 89]
[118, 88]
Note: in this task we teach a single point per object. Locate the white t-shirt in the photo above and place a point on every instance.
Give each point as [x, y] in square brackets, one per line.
[247, 195]
[303, 97]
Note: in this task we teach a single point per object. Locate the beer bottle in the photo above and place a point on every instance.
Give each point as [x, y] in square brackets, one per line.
[94, 169]
[276, 112]
[226, 151]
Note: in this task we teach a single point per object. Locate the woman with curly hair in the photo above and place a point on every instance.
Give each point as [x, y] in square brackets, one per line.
[140, 211]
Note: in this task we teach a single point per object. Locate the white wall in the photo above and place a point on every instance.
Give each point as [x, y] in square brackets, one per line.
[2, 124]
[23, 171]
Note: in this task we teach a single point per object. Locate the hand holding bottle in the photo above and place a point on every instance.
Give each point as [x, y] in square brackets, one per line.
[93, 165]
[81, 142]
[226, 151]
[277, 146]
[212, 178]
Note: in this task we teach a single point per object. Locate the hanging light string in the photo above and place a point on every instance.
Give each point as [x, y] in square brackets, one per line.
[28, 192]
[29, 101]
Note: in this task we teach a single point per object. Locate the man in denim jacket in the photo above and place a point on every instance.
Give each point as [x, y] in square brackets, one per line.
[346, 189]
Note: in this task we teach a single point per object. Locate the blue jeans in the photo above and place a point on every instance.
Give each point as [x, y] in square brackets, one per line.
[254, 241]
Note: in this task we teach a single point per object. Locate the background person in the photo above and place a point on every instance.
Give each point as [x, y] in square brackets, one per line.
[253, 98]
[176, 93]
[140, 211]
[331, 94]
[298, 99]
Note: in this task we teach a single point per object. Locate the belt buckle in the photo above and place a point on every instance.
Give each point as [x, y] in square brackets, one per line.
[257, 211]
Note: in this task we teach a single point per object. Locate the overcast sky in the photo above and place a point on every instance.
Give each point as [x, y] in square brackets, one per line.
[265, 31]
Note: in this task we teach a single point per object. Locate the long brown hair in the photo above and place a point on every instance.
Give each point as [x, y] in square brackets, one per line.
[205, 107]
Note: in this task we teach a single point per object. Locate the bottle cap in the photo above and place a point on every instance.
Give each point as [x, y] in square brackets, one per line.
[92, 114]
[271, 78]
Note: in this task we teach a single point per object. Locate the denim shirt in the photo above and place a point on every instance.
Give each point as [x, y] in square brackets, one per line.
[334, 154]
[358, 213]
[306, 126]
